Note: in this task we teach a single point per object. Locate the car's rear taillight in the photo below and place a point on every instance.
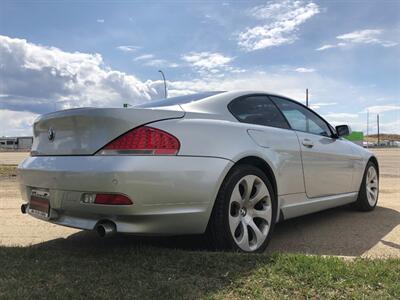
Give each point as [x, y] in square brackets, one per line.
[143, 140]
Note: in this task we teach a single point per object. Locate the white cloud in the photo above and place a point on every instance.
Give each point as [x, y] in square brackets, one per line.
[35, 77]
[143, 57]
[366, 36]
[324, 47]
[377, 109]
[211, 64]
[151, 61]
[318, 105]
[390, 127]
[305, 70]
[128, 48]
[16, 123]
[329, 46]
[100, 20]
[207, 60]
[341, 116]
[160, 63]
[282, 20]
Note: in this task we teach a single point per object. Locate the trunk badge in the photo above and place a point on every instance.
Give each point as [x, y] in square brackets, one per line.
[51, 134]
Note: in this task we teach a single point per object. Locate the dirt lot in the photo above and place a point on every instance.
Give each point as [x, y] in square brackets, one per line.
[339, 231]
[12, 158]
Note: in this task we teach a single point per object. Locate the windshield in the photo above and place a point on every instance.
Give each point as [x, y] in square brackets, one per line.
[177, 100]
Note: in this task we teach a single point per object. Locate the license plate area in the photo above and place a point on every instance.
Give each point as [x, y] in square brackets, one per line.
[39, 204]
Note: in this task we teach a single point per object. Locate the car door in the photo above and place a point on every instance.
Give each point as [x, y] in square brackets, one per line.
[328, 162]
[269, 129]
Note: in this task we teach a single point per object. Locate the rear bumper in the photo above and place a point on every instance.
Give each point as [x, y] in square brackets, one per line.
[170, 194]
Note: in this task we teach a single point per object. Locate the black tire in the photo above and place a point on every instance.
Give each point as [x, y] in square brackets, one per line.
[362, 203]
[218, 232]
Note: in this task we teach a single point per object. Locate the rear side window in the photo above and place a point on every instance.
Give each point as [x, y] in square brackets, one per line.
[258, 110]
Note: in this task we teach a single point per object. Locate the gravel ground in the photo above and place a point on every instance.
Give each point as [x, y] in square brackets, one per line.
[339, 231]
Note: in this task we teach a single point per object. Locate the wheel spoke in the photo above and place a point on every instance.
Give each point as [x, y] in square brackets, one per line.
[371, 192]
[373, 184]
[260, 194]
[234, 223]
[244, 241]
[259, 235]
[236, 196]
[265, 214]
[369, 175]
[249, 183]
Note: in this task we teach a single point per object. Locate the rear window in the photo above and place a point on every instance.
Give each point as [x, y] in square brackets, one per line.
[177, 100]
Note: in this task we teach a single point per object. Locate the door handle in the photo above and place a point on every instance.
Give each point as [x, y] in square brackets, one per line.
[308, 143]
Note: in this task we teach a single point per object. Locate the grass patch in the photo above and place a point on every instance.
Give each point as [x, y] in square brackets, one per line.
[135, 270]
[8, 170]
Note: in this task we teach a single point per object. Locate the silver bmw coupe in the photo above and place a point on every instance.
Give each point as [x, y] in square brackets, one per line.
[226, 164]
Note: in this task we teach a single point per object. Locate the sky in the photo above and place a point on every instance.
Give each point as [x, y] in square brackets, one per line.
[62, 54]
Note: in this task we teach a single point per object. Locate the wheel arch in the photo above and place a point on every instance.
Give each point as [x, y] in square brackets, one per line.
[249, 160]
[374, 160]
[263, 166]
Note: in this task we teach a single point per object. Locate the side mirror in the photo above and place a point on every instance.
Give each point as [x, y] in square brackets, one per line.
[343, 130]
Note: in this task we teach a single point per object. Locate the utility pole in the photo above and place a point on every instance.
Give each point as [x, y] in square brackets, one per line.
[377, 122]
[307, 97]
[165, 84]
[367, 126]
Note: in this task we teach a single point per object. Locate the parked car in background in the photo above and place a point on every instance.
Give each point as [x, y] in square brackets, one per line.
[227, 164]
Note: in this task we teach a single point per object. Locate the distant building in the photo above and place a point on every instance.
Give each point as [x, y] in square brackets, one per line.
[16, 143]
[357, 137]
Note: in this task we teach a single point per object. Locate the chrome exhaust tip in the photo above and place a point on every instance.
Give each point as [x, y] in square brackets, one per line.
[105, 229]
[24, 208]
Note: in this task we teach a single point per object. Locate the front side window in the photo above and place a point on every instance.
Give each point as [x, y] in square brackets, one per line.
[258, 110]
[300, 118]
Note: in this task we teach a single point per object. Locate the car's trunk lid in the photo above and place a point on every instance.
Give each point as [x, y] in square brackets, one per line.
[84, 131]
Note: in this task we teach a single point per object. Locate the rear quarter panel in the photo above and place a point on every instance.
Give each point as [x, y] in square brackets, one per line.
[231, 140]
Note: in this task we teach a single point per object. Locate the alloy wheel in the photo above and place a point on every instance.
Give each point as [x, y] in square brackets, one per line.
[250, 213]
[372, 185]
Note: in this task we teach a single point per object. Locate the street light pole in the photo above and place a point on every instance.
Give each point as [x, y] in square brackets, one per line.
[165, 84]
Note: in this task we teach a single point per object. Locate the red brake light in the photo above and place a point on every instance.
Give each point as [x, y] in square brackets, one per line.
[112, 199]
[143, 141]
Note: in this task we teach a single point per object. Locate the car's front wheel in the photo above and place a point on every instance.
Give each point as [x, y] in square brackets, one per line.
[244, 213]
